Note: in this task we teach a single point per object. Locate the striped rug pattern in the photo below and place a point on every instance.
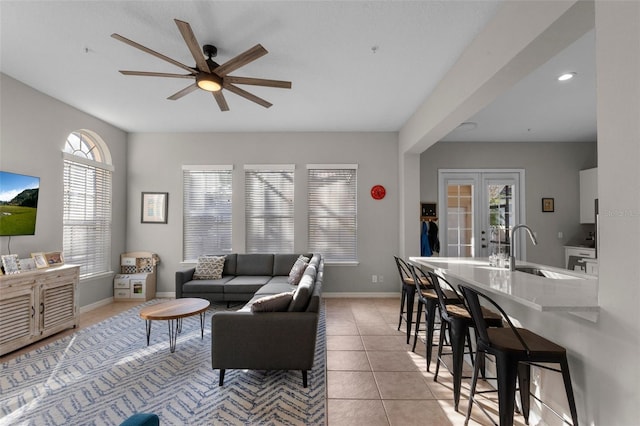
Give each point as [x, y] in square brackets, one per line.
[105, 373]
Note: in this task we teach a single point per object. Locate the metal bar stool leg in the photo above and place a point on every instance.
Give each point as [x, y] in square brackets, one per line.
[403, 296]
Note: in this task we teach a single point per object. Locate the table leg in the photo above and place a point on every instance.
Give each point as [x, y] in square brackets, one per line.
[173, 334]
[202, 315]
[148, 326]
[179, 325]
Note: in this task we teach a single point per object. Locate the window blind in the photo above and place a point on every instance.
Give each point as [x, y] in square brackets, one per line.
[269, 210]
[87, 217]
[206, 211]
[332, 211]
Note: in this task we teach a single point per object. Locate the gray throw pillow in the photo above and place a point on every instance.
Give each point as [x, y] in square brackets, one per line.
[274, 303]
[209, 268]
[297, 270]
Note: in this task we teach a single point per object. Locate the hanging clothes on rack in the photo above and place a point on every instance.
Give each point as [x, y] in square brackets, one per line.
[434, 242]
[425, 246]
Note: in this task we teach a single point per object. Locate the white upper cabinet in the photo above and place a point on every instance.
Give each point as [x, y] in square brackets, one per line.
[588, 195]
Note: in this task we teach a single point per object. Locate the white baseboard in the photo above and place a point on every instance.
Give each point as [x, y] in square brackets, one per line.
[96, 305]
[333, 295]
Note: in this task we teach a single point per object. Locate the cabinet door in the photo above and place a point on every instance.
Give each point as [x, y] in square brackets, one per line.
[57, 305]
[17, 319]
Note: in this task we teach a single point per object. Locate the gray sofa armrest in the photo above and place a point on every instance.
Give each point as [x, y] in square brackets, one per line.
[182, 277]
[264, 340]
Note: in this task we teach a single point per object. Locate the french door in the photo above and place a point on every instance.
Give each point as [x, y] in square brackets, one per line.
[481, 206]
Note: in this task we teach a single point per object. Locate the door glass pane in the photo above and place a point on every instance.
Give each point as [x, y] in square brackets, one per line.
[501, 216]
[460, 220]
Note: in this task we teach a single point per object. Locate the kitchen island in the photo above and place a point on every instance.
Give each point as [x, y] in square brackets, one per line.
[561, 290]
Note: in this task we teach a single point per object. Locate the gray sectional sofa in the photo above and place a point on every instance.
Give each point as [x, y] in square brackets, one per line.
[242, 277]
[245, 339]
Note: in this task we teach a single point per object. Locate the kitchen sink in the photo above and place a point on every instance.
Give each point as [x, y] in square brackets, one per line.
[545, 273]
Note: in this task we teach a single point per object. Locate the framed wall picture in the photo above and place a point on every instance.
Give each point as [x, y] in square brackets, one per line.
[26, 264]
[54, 258]
[10, 264]
[40, 260]
[548, 205]
[154, 207]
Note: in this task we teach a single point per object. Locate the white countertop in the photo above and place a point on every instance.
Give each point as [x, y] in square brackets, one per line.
[575, 292]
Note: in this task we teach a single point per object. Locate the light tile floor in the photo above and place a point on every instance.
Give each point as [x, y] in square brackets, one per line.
[373, 377]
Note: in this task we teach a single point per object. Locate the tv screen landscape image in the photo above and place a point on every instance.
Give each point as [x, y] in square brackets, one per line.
[18, 204]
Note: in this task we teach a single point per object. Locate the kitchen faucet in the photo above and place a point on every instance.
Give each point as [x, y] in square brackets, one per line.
[512, 248]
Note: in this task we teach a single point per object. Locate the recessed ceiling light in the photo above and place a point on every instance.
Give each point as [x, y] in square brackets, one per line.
[567, 76]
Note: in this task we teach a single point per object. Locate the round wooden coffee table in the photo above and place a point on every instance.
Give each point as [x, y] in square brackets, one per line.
[173, 312]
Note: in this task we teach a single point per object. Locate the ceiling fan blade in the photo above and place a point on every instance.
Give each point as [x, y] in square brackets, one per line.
[241, 60]
[192, 44]
[250, 96]
[222, 102]
[258, 82]
[156, 74]
[183, 92]
[151, 52]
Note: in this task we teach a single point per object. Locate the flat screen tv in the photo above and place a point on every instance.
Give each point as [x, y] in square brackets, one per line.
[18, 204]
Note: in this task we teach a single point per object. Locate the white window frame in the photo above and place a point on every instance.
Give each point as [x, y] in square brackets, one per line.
[212, 232]
[269, 209]
[337, 209]
[87, 205]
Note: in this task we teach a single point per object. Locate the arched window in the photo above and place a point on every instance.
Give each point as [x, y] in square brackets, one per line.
[87, 203]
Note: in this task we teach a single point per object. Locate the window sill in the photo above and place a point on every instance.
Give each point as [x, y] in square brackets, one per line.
[341, 263]
[99, 276]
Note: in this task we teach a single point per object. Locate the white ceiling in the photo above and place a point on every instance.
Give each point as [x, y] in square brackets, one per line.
[355, 65]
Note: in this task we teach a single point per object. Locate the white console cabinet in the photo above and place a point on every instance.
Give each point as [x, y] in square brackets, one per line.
[581, 259]
[37, 304]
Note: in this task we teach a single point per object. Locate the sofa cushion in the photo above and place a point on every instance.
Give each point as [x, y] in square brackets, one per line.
[283, 262]
[205, 286]
[209, 268]
[302, 293]
[246, 283]
[275, 287]
[254, 264]
[297, 270]
[273, 303]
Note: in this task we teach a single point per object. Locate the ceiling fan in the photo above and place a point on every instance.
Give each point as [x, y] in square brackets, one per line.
[209, 75]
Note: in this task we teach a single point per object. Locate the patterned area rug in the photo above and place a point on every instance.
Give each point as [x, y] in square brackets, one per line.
[105, 373]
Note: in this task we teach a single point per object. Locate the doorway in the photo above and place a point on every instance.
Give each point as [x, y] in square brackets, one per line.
[481, 206]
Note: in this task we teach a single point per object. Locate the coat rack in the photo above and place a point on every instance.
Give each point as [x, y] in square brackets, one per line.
[428, 212]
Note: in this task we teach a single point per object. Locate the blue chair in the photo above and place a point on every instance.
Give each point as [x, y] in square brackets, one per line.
[142, 419]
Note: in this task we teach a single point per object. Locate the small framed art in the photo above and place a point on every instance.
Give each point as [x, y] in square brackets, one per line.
[548, 205]
[10, 264]
[154, 207]
[54, 258]
[40, 260]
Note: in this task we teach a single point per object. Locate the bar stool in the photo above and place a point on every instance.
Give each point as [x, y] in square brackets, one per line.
[427, 297]
[515, 350]
[407, 298]
[457, 319]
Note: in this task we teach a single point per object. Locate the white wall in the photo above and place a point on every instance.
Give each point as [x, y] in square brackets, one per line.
[155, 162]
[34, 130]
[551, 170]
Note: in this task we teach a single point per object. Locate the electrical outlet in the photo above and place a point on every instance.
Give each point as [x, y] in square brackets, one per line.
[560, 235]
[374, 278]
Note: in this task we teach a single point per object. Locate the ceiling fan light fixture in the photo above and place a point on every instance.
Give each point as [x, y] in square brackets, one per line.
[209, 82]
